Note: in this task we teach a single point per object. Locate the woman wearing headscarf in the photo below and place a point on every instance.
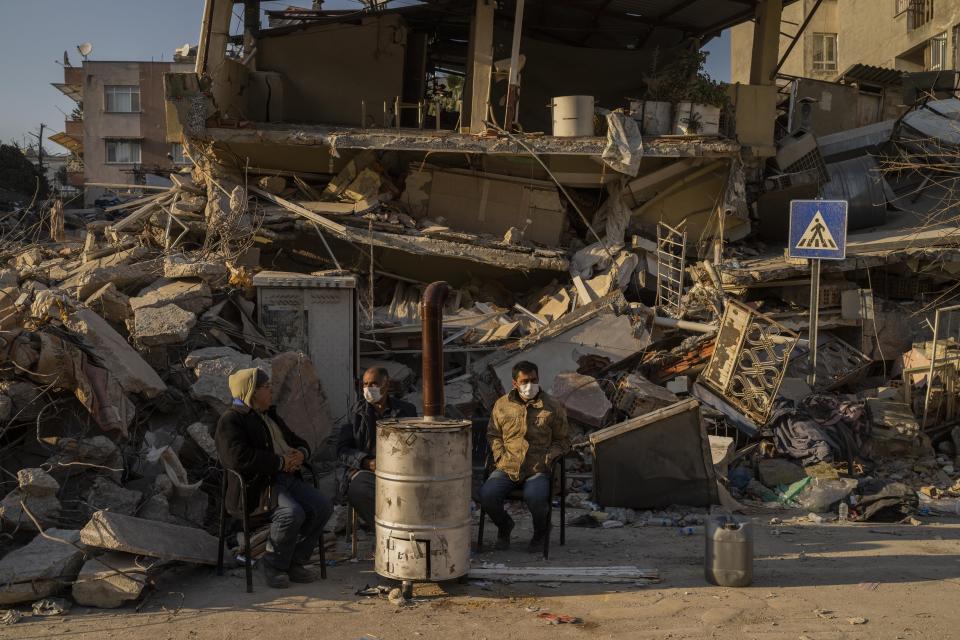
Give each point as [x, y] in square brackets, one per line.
[254, 441]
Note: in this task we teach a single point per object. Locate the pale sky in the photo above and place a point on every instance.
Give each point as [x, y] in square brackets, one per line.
[35, 33]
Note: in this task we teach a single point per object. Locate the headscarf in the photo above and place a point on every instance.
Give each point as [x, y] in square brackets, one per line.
[244, 383]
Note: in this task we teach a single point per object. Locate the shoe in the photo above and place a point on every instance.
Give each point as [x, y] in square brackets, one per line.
[503, 537]
[536, 543]
[273, 577]
[300, 574]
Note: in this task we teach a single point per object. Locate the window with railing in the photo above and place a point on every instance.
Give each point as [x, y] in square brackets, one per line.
[919, 13]
[824, 51]
[938, 53]
[956, 47]
[900, 7]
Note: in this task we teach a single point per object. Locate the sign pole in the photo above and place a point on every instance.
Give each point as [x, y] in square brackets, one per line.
[814, 314]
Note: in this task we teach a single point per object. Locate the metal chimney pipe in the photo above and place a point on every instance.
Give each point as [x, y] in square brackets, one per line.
[431, 315]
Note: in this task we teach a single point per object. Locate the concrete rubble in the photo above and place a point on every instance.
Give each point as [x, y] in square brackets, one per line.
[642, 290]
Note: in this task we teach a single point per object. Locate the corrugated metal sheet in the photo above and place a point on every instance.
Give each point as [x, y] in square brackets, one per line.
[873, 75]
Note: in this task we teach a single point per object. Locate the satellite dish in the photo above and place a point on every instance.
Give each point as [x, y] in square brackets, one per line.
[85, 49]
[183, 51]
[66, 60]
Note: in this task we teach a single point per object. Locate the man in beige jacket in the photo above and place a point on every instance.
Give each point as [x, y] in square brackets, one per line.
[527, 432]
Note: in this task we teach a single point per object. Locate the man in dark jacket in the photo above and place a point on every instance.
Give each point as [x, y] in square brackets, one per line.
[357, 442]
[253, 441]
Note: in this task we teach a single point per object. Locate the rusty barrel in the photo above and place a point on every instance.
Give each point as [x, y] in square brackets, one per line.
[423, 499]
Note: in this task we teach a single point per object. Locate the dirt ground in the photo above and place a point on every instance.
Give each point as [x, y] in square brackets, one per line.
[810, 582]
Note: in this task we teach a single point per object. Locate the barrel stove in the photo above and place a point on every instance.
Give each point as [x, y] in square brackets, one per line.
[424, 476]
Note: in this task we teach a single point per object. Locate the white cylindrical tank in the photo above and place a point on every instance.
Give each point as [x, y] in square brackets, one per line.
[572, 116]
[423, 484]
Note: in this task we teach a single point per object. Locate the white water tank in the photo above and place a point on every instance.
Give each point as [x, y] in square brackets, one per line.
[572, 116]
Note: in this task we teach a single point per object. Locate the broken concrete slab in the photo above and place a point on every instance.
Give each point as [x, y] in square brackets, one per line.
[118, 532]
[125, 268]
[108, 495]
[126, 365]
[299, 397]
[179, 266]
[157, 326]
[637, 396]
[110, 303]
[582, 396]
[597, 329]
[41, 568]
[37, 491]
[101, 584]
[213, 366]
[190, 295]
[37, 483]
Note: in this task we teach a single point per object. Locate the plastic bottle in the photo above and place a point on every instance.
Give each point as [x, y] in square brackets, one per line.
[691, 530]
[844, 512]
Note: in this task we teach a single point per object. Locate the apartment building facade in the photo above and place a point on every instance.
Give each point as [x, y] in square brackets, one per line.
[118, 132]
[903, 35]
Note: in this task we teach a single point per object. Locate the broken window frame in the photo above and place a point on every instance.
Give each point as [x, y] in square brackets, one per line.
[121, 98]
[131, 146]
[919, 13]
[671, 257]
[825, 52]
[177, 154]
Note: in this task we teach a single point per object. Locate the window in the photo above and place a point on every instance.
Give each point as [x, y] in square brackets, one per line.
[919, 13]
[900, 7]
[123, 151]
[176, 152]
[824, 52]
[938, 53]
[122, 99]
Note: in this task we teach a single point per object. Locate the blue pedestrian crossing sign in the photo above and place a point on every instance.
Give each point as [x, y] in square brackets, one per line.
[818, 229]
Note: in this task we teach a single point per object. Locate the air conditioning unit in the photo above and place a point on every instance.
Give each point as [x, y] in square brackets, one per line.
[318, 316]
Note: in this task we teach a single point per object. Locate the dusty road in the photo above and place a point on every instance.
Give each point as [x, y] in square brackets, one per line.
[810, 582]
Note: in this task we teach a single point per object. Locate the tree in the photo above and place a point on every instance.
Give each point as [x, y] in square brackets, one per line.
[18, 174]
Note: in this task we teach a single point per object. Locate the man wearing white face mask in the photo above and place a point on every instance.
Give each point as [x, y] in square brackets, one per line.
[527, 432]
[357, 442]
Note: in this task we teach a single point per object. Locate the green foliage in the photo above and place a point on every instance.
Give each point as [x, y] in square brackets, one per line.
[682, 79]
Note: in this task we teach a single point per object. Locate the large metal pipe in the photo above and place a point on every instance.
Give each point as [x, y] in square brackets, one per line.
[431, 315]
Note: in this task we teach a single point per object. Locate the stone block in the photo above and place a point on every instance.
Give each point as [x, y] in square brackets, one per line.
[41, 568]
[200, 433]
[126, 365]
[157, 326]
[123, 269]
[110, 303]
[636, 396]
[179, 266]
[117, 532]
[37, 483]
[582, 396]
[101, 585]
[107, 494]
[190, 295]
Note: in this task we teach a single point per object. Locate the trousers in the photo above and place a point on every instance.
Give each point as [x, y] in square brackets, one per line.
[536, 495]
[297, 523]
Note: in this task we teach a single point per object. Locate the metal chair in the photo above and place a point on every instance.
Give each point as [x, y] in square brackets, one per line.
[517, 494]
[245, 523]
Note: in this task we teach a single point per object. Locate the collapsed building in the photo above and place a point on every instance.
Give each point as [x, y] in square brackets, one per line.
[598, 206]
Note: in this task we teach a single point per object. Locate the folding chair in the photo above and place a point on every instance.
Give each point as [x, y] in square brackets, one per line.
[517, 494]
[245, 523]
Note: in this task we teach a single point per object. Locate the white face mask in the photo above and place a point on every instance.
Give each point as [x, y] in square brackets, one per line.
[529, 390]
[371, 394]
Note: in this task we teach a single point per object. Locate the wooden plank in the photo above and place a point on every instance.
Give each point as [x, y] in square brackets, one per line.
[303, 212]
[133, 203]
[129, 187]
[618, 574]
